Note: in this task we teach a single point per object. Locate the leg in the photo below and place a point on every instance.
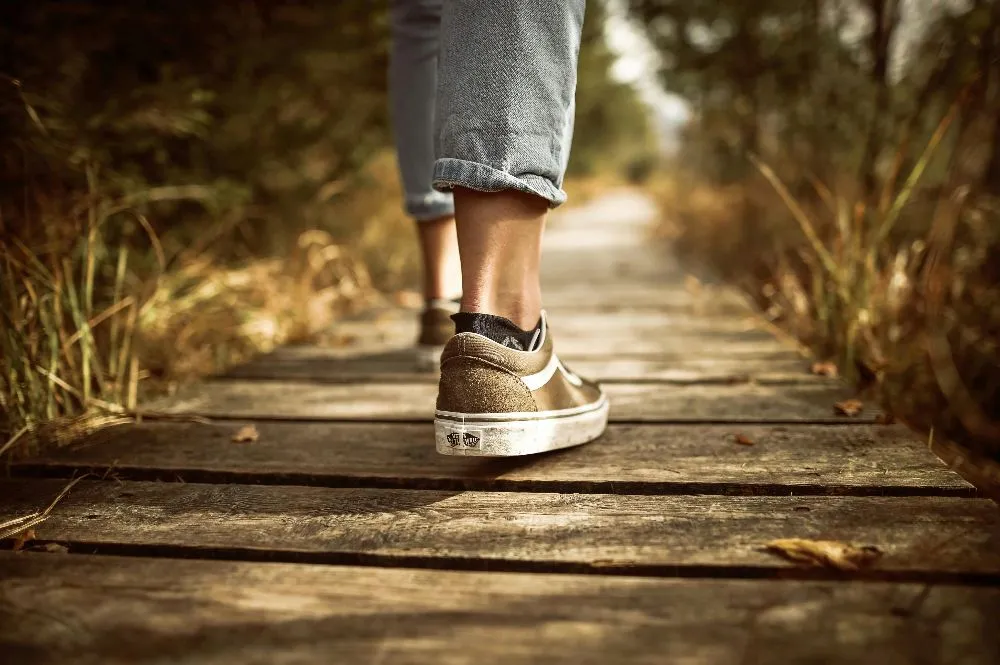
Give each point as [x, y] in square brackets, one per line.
[412, 85]
[442, 265]
[508, 73]
[505, 103]
[500, 239]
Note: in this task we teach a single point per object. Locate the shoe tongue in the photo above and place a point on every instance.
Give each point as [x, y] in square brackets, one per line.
[497, 328]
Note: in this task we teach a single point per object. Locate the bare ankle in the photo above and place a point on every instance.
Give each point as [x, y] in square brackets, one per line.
[523, 310]
[500, 235]
[442, 268]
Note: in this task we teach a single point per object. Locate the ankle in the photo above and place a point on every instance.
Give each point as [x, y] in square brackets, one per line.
[524, 310]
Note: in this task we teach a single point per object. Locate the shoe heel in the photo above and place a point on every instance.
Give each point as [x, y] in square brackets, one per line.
[518, 435]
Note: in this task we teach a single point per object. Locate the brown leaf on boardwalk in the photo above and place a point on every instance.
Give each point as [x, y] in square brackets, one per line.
[246, 434]
[825, 369]
[25, 537]
[55, 548]
[849, 407]
[743, 440]
[829, 553]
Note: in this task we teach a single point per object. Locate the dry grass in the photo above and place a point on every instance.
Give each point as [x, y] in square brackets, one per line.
[903, 295]
[98, 315]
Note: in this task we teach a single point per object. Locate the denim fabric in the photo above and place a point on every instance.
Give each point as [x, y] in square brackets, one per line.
[413, 63]
[506, 79]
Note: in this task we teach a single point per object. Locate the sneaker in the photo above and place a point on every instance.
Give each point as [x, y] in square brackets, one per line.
[436, 328]
[498, 401]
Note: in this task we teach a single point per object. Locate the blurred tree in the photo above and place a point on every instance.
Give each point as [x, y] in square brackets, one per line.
[267, 103]
[613, 131]
[250, 101]
[820, 87]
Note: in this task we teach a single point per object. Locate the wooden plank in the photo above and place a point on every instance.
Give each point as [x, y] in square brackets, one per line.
[310, 363]
[112, 611]
[625, 296]
[598, 336]
[982, 472]
[628, 459]
[415, 401]
[397, 322]
[922, 537]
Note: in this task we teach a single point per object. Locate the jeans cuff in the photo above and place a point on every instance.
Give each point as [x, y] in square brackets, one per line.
[449, 173]
[430, 206]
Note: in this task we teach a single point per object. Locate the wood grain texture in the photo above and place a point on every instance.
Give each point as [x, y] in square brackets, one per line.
[415, 401]
[981, 471]
[398, 365]
[647, 535]
[113, 611]
[588, 334]
[627, 459]
[612, 340]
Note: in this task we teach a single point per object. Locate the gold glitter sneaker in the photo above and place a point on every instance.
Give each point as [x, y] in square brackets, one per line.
[436, 328]
[497, 401]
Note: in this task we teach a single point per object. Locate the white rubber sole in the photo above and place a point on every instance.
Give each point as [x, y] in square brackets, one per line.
[514, 434]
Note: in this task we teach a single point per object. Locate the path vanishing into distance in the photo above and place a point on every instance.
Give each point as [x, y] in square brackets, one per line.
[334, 533]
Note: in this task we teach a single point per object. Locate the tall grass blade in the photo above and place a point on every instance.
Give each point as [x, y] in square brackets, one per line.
[883, 229]
[800, 216]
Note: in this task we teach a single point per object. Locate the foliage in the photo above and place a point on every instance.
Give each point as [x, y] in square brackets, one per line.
[155, 158]
[612, 132]
[842, 166]
[185, 184]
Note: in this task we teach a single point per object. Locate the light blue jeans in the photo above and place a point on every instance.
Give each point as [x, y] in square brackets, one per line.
[482, 97]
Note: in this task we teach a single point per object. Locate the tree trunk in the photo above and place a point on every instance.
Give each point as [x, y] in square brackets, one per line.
[991, 71]
[885, 17]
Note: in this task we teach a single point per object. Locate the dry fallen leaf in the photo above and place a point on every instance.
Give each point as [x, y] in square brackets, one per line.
[55, 548]
[885, 419]
[25, 537]
[849, 407]
[825, 369]
[829, 553]
[246, 434]
[743, 440]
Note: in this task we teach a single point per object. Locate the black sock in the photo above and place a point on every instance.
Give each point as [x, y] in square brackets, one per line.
[500, 330]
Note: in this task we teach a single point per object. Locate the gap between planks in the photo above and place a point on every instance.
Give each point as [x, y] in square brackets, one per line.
[926, 540]
[629, 459]
[478, 565]
[343, 481]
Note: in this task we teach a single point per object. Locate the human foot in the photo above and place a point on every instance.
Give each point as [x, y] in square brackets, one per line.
[436, 328]
[503, 392]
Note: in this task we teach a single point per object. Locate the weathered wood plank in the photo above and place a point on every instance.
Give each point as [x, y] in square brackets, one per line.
[623, 295]
[113, 611]
[566, 322]
[415, 401]
[628, 459]
[648, 535]
[982, 472]
[338, 365]
[608, 334]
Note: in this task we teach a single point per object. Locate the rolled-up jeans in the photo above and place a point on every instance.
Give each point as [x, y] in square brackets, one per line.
[482, 97]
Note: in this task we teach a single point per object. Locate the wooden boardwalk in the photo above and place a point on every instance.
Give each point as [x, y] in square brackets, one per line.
[340, 536]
